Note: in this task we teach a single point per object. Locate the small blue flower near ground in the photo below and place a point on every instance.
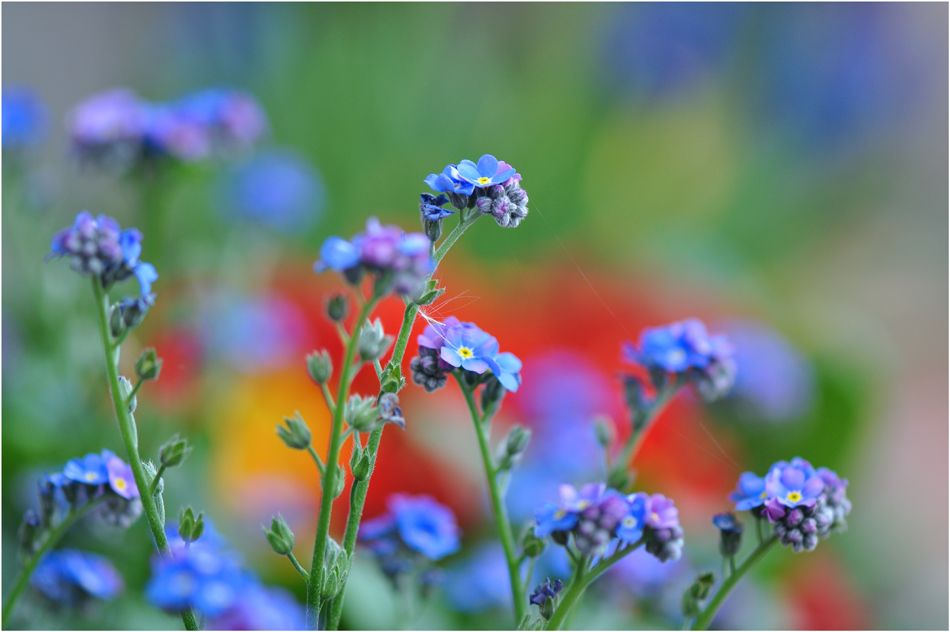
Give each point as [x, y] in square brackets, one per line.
[72, 577]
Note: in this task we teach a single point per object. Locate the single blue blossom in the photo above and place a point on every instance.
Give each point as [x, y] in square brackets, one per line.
[73, 577]
[631, 527]
[545, 590]
[121, 479]
[431, 207]
[449, 181]
[794, 484]
[425, 525]
[90, 469]
[506, 367]
[25, 118]
[199, 576]
[750, 492]
[337, 254]
[469, 348]
[485, 173]
[551, 518]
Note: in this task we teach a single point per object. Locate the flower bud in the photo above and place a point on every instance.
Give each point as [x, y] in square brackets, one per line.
[338, 307]
[373, 343]
[150, 473]
[360, 413]
[532, 545]
[547, 609]
[604, 432]
[125, 390]
[174, 451]
[638, 402]
[492, 393]
[697, 593]
[30, 530]
[190, 527]
[116, 322]
[389, 410]
[47, 500]
[517, 441]
[560, 537]
[433, 230]
[362, 467]
[320, 366]
[149, 365]
[429, 293]
[296, 435]
[279, 536]
[730, 533]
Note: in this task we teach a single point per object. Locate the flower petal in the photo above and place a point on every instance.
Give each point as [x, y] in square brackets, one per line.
[487, 166]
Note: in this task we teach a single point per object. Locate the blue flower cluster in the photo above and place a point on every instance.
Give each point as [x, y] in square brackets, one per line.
[117, 129]
[413, 528]
[452, 345]
[491, 185]
[804, 503]
[99, 247]
[685, 350]
[600, 519]
[386, 251]
[102, 478]
[73, 578]
[209, 577]
[25, 118]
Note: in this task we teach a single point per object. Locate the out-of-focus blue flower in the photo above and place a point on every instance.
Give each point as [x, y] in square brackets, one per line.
[121, 479]
[72, 577]
[253, 334]
[643, 573]
[485, 173]
[750, 492]
[381, 250]
[545, 590]
[507, 368]
[108, 128]
[261, 608]
[480, 582]
[198, 576]
[551, 518]
[431, 207]
[449, 181]
[276, 188]
[91, 470]
[774, 381]
[25, 118]
[233, 118]
[664, 49]
[831, 75]
[418, 522]
[794, 484]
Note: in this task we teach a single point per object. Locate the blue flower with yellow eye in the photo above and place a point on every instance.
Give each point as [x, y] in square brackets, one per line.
[631, 526]
[90, 469]
[551, 518]
[469, 348]
[795, 484]
[485, 173]
[750, 492]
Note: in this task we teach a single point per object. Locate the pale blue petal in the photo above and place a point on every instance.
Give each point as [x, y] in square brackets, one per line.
[488, 166]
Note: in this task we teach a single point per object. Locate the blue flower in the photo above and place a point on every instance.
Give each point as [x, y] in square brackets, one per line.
[337, 254]
[485, 173]
[121, 480]
[425, 525]
[146, 275]
[545, 590]
[750, 492]
[91, 470]
[506, 367]
[261, 608]
[72, 577]
[631, 527]
[431, 207]
[794, 484]
[199, 576]
[277, 188]
[24, 118]
[479, 582]
[551, 518]
[449, 181]
[469, 348]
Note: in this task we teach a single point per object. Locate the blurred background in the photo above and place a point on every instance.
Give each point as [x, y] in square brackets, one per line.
[777, 170]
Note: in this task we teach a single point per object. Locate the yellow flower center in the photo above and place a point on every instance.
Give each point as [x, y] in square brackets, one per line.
[483, 181]
[630, 522]
[120, 484]
[655, 517]
[560, 513]
[90, 476]
[584, 504]
[763, 495]
[466, 353]
[794, 497]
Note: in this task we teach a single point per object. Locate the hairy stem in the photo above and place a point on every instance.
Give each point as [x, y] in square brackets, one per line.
[482, 429]
[130, 435]
[30, 562]
[706, 616]
[300, 569]
[328, 483]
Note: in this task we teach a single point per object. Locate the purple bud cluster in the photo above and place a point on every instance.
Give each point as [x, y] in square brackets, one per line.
[598, 517]
[803, 503]
[402, 262]
[117, 129]
[99, 247]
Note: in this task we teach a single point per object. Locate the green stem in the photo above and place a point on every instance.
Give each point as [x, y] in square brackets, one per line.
[300, 569]
[329, 481]
[316, 458]
[361, 488]
[706, 616]
[129, 435]
[581, 580]
[637, 437]
[30, 564]
[482, 427]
